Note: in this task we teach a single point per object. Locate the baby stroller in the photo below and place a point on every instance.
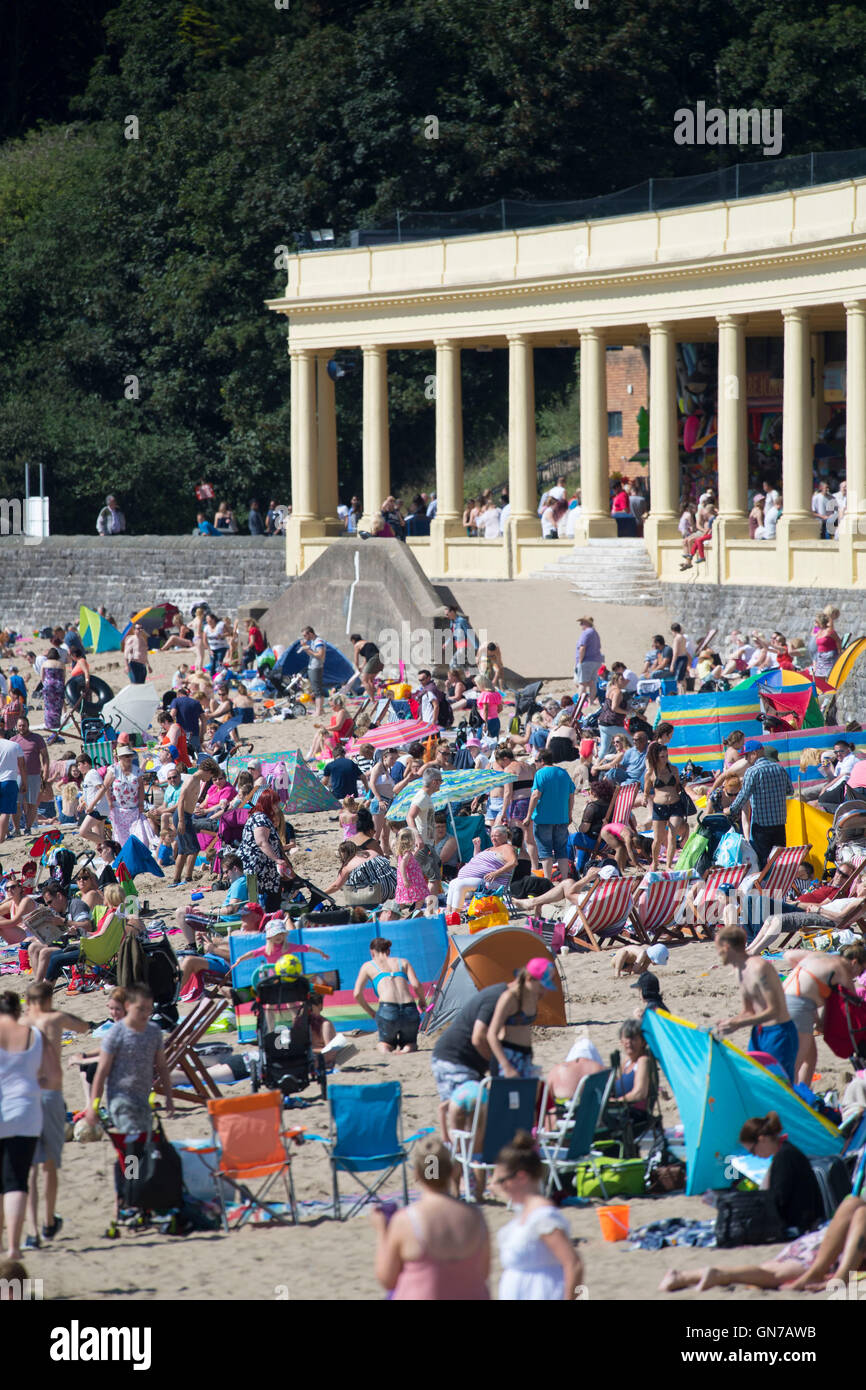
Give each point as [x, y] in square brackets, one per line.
[526, 701]
[148, 1181]
[299, 905]
[846, 840]
[286, 1060]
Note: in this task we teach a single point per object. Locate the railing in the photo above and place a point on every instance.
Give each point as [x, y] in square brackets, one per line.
[737, 181]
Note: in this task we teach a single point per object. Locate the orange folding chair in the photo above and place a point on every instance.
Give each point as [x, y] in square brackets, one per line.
[249, 1144]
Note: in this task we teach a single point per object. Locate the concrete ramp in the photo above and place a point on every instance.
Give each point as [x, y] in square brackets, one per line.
[374, 587]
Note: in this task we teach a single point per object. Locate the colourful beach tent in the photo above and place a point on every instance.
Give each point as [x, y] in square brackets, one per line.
[717, 1087]
[336, 671]
[97, 633]
[844, 663]
[304, 793]
[456, 787]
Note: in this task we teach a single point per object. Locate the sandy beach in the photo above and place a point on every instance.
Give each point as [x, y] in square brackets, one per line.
[322, 1259]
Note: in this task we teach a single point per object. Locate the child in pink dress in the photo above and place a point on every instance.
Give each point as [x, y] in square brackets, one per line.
[412, 886]
[349, 816]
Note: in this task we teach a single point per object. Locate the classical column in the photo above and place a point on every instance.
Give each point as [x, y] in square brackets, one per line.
[664, 460]
[305, 502]
[733, 448]
[449, 432]
[855, 431]
[326, 415]
[594, 518]
[304, 434]
[522, 465]
[376, 447]
[797, 442]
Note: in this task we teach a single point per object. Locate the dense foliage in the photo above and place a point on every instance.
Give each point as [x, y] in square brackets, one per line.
[135, 348]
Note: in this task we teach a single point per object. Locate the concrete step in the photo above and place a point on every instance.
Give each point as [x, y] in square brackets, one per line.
[620, 571]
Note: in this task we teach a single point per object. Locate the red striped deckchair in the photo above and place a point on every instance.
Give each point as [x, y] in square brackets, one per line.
[776, 879]
[710, 898]
[656, 906]
[619, 810]
[605, 913]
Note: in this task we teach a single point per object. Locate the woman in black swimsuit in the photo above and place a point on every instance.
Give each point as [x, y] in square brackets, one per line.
[664, 790]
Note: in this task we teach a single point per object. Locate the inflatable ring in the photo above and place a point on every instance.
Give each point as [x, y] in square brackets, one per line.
[100, 694]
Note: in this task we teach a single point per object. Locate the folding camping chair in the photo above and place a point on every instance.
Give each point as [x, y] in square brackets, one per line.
[100, 752]
[564, 1148]
[366, 1137]
[657, 904]
[180, 1052]
[618, 811]
[503, 1106]
[605, 913]
[99, 950]
[249, 1143]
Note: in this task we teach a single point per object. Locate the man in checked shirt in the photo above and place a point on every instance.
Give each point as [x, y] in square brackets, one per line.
[766, 785]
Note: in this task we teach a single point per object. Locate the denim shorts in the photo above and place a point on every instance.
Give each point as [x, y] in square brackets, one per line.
[551, 840]
[8, 797]
[398, 1024]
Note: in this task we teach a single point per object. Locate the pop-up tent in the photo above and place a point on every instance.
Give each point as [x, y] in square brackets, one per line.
[490, 957]
[420, 940]
[97, 633]
[337, 669]
[301, 792]
[717, 1087]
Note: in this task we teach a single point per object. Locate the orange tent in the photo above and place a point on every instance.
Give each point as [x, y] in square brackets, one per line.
[491, 957]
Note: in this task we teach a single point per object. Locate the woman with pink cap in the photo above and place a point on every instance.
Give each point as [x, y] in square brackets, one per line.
[510, 1031]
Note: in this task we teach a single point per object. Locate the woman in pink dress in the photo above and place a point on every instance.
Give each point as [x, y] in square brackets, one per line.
[438, 1249]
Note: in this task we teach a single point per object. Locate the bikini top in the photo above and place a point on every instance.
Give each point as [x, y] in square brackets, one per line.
[824, 989]
[388, 975]
[521, 1019]
[671, 782]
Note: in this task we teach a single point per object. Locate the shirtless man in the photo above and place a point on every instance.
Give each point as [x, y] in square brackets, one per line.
[807, 989]
[765, 1009]
[680, 658]
[187, 842]
[49, 1152]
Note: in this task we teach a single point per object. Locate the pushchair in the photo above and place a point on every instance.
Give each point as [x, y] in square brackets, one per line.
[846, 839]
[148, 1181]
[526, 701]
[163, 978]
[286, 1060]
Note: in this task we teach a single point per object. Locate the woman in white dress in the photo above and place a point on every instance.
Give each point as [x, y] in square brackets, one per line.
[539, 1261]
[124, 790]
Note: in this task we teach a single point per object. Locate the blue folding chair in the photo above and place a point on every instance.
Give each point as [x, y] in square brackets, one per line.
[503, 1107]
[564, 1148]
[366, 1137]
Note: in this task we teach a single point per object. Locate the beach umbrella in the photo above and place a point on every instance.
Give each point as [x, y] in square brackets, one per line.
[394, 735]
[97, 633]
[844, 663]
[132, 711]
[136, 858]
[717, 1087]
[151, 619]
[337, 669]
[456, 787]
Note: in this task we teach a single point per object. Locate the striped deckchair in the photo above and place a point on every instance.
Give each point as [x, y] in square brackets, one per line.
[709, 901]
[619, 810]
[99, 752]
[776, 879]
[656, 906]
[604, 914]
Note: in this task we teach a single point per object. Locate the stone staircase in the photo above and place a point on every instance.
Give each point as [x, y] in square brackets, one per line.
[608, 571]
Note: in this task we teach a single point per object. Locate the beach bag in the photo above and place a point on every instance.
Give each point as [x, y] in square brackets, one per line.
[844, 1022]
[747, 1218]
[729, 851]
[622, 1177]
[694, 850]
[156, 1180]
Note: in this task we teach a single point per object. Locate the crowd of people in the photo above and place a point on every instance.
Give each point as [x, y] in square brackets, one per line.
[550, 840]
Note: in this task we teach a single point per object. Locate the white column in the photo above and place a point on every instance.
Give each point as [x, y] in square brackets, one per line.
[797, 442]
[594, 518]
[855, 430]
[326, 415]
[664, 460]
[305, 502]
[522, 465]
[732, 420]
[376, 446]
[449, 432]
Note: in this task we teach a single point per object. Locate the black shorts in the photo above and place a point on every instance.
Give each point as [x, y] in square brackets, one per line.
[681, 666]
[16, 1159]
[398, 1024]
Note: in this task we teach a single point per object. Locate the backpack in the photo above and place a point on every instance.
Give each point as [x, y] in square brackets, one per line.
[445, 716]
[155, 1181]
